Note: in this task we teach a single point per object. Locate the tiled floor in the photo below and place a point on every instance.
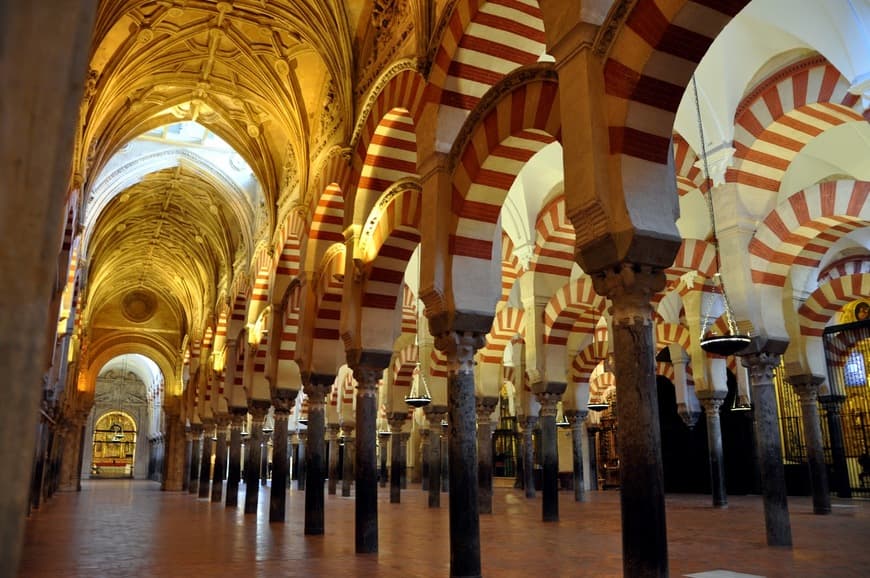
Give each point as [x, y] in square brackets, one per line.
[132, 529]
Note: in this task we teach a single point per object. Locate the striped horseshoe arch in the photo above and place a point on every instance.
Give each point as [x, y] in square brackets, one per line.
[574, 307]
[803, 227]
[554, 242]
[829, 298]
[507, 324]
[845, 266]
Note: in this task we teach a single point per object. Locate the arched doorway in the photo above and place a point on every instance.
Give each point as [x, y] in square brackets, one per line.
[114, 449]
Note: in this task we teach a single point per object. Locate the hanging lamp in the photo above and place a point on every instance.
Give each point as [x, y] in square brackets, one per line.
[732, 341]
[417, 398]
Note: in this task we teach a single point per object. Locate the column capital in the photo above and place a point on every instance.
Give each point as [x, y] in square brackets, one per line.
[397, 420]
[435, 414]
[258, 408]
[761, 366]
[460, 347]
[549, 402]
[527, 422]
[347, 427]
[283, 400]
[711, 405]
[485, 406]
[630, 288]
[576, 417]
[807, 387]
[332, 430]
[316, 392]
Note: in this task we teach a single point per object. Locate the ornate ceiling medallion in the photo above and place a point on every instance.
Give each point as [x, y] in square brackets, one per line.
[139, 305]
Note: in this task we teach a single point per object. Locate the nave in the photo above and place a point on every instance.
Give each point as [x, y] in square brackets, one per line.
[131, 528]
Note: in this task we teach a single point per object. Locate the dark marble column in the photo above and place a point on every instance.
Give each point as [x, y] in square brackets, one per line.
[445, 458]
[711, 404]
[347, 474]
[301, 461]
[397, 421]
[424, 459]
[644, 529]
[367, 371]
[550, 451]
[220, 458]
[238, 415]
[403, 458]
[383, 444]
[317, 387]
[485, 407]
[283, 402]
[263, 470]
[258, 409]
[528, 423]
[188, 456]
[576, 418]
[435, 413]
[195, 458]
[807, 388]
[767, 441]
[205, 459]
[833, 405]
[459, 348]
[332, 434]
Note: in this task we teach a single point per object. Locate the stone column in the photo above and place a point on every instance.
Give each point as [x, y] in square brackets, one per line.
[576, 418]
[527, 423]
[833, 405]
[435, 413]
[332, 434]
[301, 460]
[195, 458]
[317, 387]
[283, 402]
[349, 455]
[258, 409]
[397, 421]
[234, 469]
[424, 459]
[205, 459]
[367, 372]
[174, 456]
[550, 456]
[70, 451]
[807, 388]
[459, 347]
[383, 444]
[188, 456]
[767, 440]
[485, 407]
[711, 403]
[220, 458]
[403, 459]
[263, 470]
[445, 458]
[644, 530]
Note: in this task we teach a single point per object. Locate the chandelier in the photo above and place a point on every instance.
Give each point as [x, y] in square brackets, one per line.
[417, 398]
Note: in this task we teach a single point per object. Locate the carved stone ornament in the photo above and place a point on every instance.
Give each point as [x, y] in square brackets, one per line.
[630, 288]
[761, 366]
[460, 347]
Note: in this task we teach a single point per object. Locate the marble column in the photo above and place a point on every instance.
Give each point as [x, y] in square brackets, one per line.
[283, 402]
[301, 461]
[383, 444]
[396, 421]
[833, 405]
[528, 423]
[205, 459]
[445, 458]
[367, 371]
[188, 457]
[485, 407]
[459, 347]
[424, 459]
[711, 404]
[434, 414]
[195, 458]
[238, 415]
[174, 456]
[576, 418]
[807, 388]
[332, 434]
[258, 409]
[644, 530]
[317, 387]
[72, 454]
[263, 470]
[347, 473]
[220, 458]
[403, 459]
[761, 366]
[550, 456]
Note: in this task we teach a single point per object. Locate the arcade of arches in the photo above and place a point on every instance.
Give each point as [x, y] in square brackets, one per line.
[238, 234]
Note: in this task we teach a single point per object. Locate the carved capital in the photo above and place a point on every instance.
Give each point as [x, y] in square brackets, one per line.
[397, 421]
[258, 409]
[527, 423]
[761, 366]
[284, 400]
[435, 414]
[711, 405]
[549, 402]
[576, 417]
[629, 288]
[460, 347]
[485, 407]
[807, 387]
[332, 430]
[347, 430]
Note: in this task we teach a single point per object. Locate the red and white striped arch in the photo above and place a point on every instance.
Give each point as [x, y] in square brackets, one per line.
[522, 122]
[667, 333]
[776, 120]
[648, 68]
[261, 271]
[694, 255]
[507, 324]
[329, 289]
[390, 157]
[829, 298]
[437, 364]
[483, 42]
[221, 328]
[574, 307]
[665, 370]
[291, 235]
[599, 384]
[846, 266]
[689, 176]
[584, 363]
[409, 311]
[328, 222]
[554, 242]
[289, 337]
[388, 246]
[511, 269]
[404, 364]
[803, 227]
[403, 91]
